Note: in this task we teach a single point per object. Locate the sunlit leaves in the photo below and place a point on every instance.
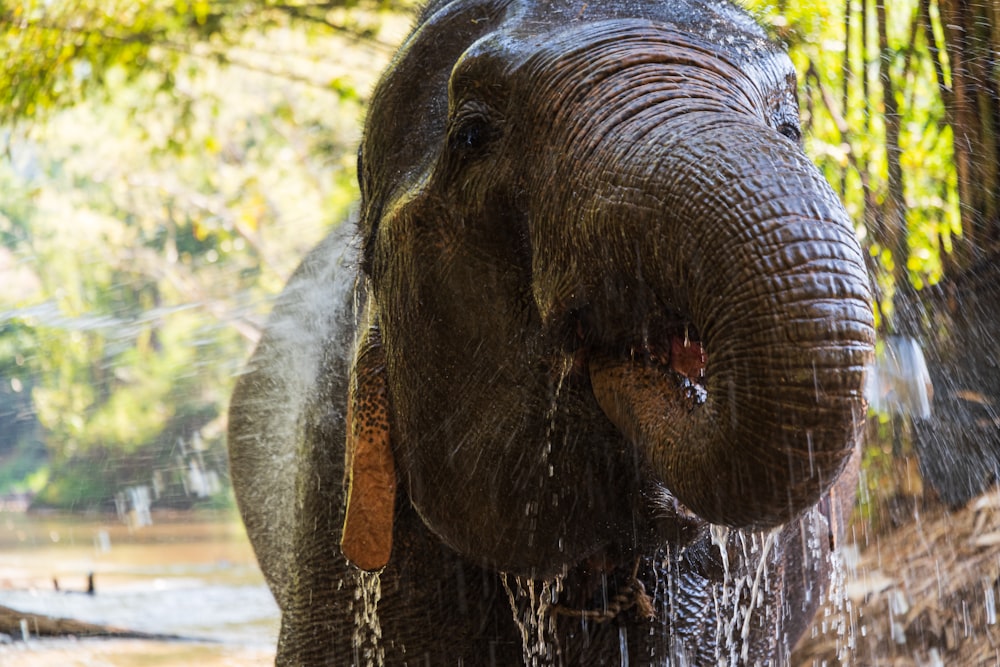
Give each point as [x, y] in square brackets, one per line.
[57, 52]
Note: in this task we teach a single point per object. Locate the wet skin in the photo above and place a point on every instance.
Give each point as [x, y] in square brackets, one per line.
[606, 304]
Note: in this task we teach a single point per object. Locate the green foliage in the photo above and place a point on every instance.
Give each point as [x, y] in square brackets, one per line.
[145, 229]
[59, 52]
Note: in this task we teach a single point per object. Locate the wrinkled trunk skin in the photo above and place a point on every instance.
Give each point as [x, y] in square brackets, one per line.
[779, 299]
[782, 307]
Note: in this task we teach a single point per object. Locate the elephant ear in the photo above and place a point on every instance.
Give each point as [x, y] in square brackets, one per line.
[366, 540]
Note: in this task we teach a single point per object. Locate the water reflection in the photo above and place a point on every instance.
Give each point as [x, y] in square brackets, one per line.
[193, 576]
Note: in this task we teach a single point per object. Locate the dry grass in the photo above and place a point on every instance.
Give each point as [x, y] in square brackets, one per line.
[925, 593]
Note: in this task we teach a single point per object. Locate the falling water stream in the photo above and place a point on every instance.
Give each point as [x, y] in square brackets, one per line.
[755, 590]
[839, 614]
[531, 603]
[367, 638]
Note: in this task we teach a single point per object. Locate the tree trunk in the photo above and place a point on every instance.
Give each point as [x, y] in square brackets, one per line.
[959, 448]
[972, 42]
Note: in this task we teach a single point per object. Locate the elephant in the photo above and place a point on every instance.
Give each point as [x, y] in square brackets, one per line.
[581, 383]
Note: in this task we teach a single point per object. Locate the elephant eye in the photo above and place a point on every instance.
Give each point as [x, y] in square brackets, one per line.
[791, 131]
[471, 134]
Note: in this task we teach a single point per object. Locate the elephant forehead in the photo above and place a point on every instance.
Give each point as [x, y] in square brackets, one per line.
[582, 58]
[716, 19]
[614, 59]
[547, 31]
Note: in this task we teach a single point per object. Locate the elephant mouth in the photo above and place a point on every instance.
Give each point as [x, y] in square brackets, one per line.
[672, 363]
[675, 349]
[686, 357]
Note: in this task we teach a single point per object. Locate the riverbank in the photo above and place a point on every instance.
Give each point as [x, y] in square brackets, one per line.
[186, 574]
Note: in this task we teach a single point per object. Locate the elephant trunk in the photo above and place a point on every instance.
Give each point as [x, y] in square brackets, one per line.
[734, 236]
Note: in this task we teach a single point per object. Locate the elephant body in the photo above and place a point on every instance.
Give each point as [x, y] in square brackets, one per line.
[582, 384]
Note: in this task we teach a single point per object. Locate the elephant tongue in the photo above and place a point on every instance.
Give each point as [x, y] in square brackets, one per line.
[687, 357]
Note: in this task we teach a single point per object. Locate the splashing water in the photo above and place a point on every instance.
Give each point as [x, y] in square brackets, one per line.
[839, 614]
[756, 594]
[836, 612]
[744, 596]
[531, 603]
[367, 638]
[720, 538]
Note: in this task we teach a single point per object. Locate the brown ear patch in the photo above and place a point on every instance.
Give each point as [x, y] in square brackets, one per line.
[366, 540]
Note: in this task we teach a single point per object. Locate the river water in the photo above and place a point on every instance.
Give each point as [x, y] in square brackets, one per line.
[192, 575]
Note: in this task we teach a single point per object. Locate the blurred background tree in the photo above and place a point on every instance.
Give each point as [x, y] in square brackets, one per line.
[168, 162]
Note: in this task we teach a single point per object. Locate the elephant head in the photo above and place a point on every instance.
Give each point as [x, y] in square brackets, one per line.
[606, 290]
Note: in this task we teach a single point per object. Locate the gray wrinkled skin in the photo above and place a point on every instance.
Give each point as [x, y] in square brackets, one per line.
[556, 196]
